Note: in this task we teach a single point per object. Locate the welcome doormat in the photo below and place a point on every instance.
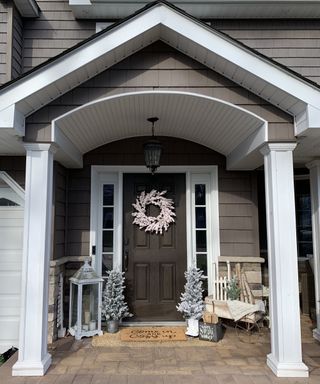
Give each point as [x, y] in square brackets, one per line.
[153, 334]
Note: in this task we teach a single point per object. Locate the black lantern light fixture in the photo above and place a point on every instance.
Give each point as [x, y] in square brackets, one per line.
[152, 150]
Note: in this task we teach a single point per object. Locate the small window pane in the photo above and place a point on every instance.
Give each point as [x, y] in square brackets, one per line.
[305, 235]
[108, 218]
[202, 264]
[304, 219]
[304, 202]
[107, 263]
[305, 249]
[107, 241]
[108, 194]
[200, 217]
[201, 241]
[7, 203]
[200, 194]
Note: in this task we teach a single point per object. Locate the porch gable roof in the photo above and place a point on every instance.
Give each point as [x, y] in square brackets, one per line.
[159, 21]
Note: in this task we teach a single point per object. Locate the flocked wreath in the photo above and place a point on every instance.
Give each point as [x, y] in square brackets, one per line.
[151, 223]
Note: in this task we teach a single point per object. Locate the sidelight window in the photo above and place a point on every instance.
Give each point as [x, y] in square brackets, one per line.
[200, 223]
[107, 239]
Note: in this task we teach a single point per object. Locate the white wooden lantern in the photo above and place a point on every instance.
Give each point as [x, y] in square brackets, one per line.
[85, 303]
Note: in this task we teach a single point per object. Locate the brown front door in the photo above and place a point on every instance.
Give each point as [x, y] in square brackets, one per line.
[154, 263]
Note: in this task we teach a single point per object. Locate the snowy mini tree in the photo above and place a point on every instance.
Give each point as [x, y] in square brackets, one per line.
[191, 305]
[114, 306]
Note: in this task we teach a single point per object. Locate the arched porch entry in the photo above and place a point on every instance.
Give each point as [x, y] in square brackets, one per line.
[236, 133]
[214, 123]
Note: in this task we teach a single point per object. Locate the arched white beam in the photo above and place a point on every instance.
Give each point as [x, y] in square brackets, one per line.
[214, 123]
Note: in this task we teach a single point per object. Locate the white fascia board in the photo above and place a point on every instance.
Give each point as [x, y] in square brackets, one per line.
[241, 157]
[80, 2]
[12, 118]
[67, 152]
[308, 119]
[27, 8]
[236, 9]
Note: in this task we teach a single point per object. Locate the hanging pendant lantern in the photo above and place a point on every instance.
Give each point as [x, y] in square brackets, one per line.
[152, 150]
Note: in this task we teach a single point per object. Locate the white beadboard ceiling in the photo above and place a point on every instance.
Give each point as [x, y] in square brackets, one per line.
[217, 125]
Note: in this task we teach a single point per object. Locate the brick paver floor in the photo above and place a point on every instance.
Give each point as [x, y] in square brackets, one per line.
[237, 359]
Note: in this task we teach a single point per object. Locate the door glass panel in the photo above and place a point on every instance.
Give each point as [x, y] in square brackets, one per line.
[108, 194]
[201, 241]
[107, 241]
[107, 228]
[108, 218]
[200, 217]
[202, 263]
[107, 263]
[200, 194]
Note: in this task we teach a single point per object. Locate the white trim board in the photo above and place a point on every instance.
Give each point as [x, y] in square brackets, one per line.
[107, 174]
[14, 186]
[234, 9]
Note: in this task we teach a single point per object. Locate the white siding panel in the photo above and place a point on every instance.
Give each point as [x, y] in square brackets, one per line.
[11, 236]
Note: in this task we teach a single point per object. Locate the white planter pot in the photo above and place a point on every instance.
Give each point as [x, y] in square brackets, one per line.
[192, 327]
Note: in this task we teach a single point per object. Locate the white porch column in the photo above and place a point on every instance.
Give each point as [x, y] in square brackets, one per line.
[314, 167]
[285, 359]
[34, 358]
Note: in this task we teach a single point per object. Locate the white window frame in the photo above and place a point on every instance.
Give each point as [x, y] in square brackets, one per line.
[16, 193]
[208, 175]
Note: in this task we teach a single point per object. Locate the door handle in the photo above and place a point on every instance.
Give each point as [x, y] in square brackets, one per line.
[126, 260]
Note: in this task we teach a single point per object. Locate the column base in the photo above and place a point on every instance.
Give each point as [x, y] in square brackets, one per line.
[298, 369]
[32, 368]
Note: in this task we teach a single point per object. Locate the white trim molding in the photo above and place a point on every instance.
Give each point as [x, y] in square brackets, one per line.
[217, 9]
[14, 186]
[285, 359]
[27, 8]
[33, 358]
[314, 168]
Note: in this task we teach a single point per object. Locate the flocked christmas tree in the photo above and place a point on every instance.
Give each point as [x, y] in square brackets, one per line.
[114, 306]
[191, 305]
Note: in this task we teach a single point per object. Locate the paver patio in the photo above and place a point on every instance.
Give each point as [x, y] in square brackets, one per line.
[237, 359]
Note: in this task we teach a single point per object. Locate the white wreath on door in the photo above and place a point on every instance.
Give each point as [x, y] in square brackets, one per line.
[156, 224]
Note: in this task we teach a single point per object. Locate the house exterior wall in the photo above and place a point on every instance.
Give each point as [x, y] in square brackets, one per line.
[4, 40]
[163, 68]
[239, 230]
[11, 41]
[294, 43]
[55, 30]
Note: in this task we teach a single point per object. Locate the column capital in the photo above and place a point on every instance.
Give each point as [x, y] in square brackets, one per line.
[313, 164]
[281, 147]
[50, 147]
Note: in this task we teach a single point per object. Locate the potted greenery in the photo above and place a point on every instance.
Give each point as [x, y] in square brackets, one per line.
[191, 305]
[233, 290]
[114, 308]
